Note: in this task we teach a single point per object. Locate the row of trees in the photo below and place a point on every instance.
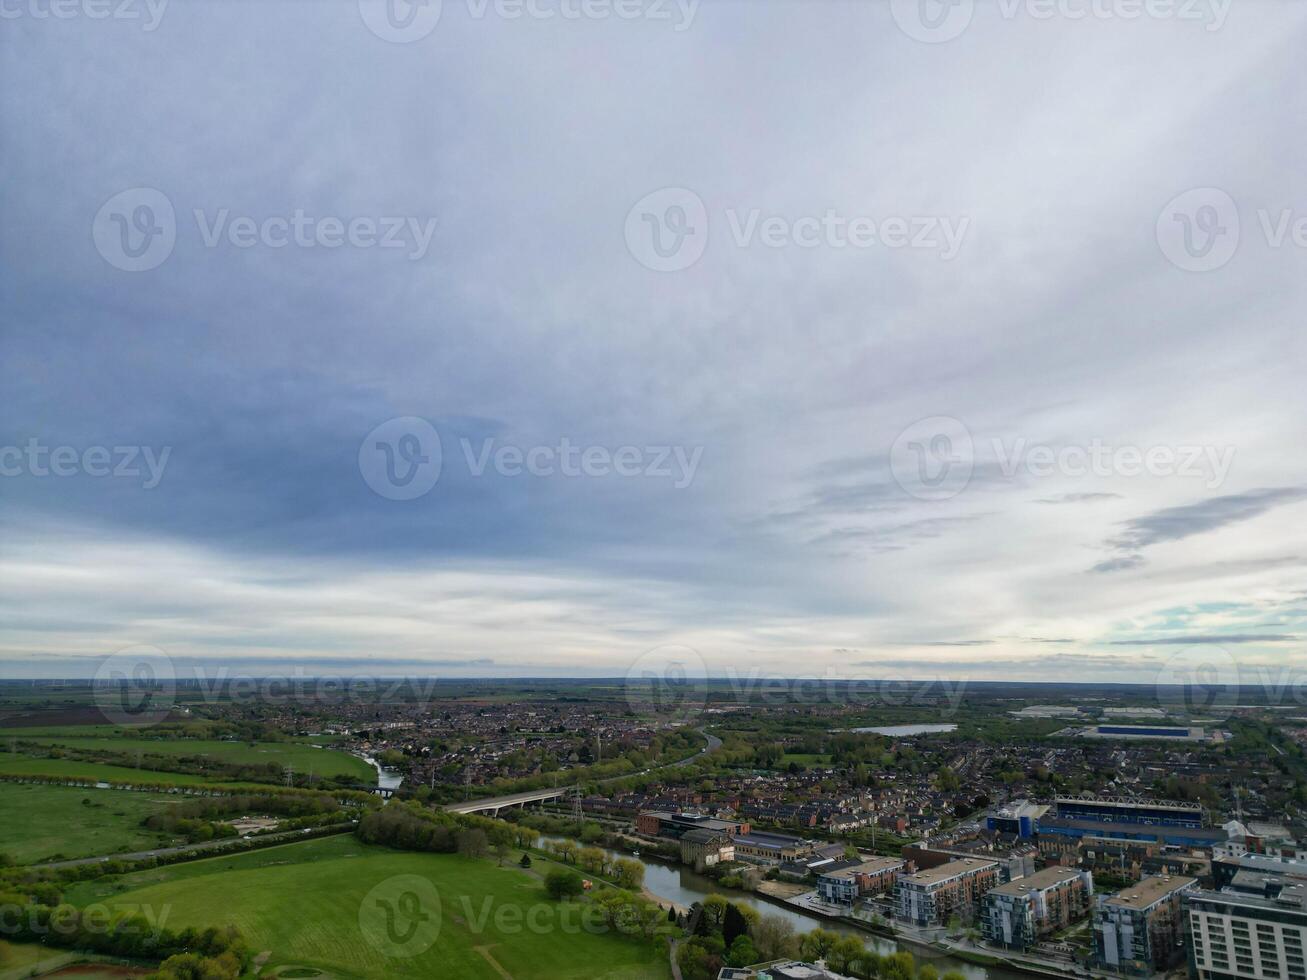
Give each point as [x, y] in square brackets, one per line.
[625, 872]
[29, 919]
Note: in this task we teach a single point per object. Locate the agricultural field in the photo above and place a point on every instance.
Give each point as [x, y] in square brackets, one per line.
[44, 822]
[303, 903]
[301, 757]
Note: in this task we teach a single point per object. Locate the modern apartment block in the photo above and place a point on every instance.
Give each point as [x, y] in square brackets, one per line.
[1020, 913]
[1237, 934]
[934, 896]
[1140, 929]
[847, 885]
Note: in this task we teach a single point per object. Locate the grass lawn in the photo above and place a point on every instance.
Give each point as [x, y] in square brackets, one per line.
[19, 959]
[302, 757]
[302, 902]
[42, 821]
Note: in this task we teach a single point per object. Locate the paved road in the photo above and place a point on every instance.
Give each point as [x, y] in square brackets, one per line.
[206, 846]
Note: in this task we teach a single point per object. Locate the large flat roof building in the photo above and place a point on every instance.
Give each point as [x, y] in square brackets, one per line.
[1124, 809]
[1235, 935]
[1018, 914]
[1139, 930]
[934, 896]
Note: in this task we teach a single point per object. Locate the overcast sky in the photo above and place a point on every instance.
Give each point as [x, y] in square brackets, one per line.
[834, 340]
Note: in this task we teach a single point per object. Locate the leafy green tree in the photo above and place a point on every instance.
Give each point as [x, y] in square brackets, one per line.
[816, 944]
[897, 966]
[742, 952]
[847, 955]
[628, 873]
[562, 883]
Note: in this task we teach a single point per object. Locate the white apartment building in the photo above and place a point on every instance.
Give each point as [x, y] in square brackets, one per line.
[1240, 935]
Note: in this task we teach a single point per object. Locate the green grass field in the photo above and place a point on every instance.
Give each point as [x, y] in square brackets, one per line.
[22, 959]
[302, 902]
[43, 821]
[26, 765]
[302, 757]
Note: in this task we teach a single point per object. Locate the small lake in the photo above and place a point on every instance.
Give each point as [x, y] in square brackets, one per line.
[902, 730]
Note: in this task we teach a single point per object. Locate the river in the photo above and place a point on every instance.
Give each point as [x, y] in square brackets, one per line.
[676, 883]
[386, 778]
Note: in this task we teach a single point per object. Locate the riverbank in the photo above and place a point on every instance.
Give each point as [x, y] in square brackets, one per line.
[668, 881]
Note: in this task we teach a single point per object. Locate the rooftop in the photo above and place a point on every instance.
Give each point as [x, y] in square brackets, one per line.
[1292, 899]
[950, 870]
[1040, 879]
[1149, 890]
[705, 837]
